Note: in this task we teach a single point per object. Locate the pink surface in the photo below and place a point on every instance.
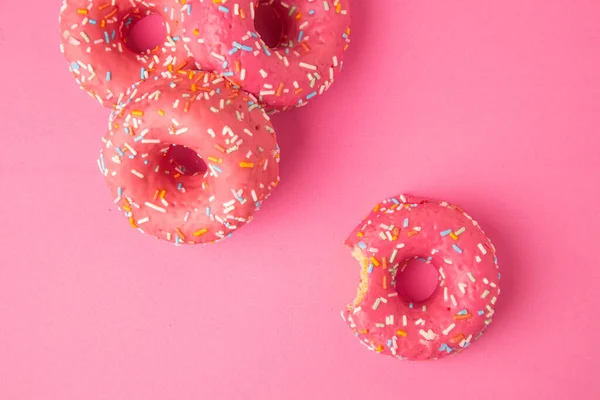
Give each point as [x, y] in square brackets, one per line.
[495, 107]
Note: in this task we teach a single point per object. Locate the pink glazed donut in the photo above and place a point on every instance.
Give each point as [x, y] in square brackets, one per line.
[222, 37]
[461, 307]
[234, 168]
[94, 34]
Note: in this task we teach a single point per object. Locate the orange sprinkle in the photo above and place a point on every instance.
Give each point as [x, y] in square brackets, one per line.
[177, 175]
[246, 164]
[379, 349]
[466, 316]
[132, 222]
[156, 193]
[161, 113]
[401, 333]
[457, 338]
[374, 261]
[238, 66]
[200, 232]
[279, 89]
[82, 11]
[376, 208]
[137, 113]
[360, 234]
[453, 236]
[384, 262]
[242, 13]
[338, 8]
[412, 233]
[112, 13]
[385, 282]
[299, 15]
[163, 193]
[180, 234]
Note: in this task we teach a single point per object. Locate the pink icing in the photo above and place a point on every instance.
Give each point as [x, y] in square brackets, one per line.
[93, 36]
[221, 36]
[222, 125]
[462, 306]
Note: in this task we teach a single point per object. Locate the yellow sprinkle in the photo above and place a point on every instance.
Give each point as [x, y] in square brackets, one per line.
[379, 349]
[82, 11]
[374, 261]
[360, 234]
[246, 164]
[376, 208]
[137, 113]
[401, 333]
[161, 113]
[453, 236]
[132, 222]
[196, 32]
[200, 232]
[163, 193]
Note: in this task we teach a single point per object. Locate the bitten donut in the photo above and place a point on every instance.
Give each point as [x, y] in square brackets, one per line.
[94, 35]
[222, 37]
[234, 168]
[461, 307]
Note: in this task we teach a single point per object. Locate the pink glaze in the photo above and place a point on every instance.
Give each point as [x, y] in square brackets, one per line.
[222, 37]
[93, 40]
[227, 130]
[462, 306]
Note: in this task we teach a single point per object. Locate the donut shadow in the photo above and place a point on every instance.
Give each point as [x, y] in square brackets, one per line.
[291, 137]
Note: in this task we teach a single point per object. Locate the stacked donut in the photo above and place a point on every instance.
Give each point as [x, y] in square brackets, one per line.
[203, 95]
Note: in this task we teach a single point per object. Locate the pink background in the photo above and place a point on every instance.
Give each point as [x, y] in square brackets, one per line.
[494, 105]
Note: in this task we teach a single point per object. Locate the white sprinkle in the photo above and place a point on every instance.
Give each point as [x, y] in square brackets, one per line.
[485, 294]
[308, 66]
[263, 73]
[376, 304]
[429, 335]
[446, 293]
[447, 261]
[453, 300]
[442, 273]
[138, 174]
[482, 249]
[155, 207]
[143, 220]
[462, 287]
[420, 321]
[404, 320]
[448, 329]
[471, 277]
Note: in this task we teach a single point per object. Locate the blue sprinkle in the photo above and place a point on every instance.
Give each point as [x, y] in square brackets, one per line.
[218, 90]
[410, 305]
[246, 48]
[113, 35]
[498, 275]
[480, 312]
[395, 200]
[405, 225]
[462, 312]
[75, 66]
[225, 64]
[223, 9]
[207, 210]
[458, 249]
[179, 186]
[229, 73]
[219, 170]
[446, 232]
[300, 36]
[146, 162]
[370, 269]
[120, 151]
[131, 156]
[93, 21]
[267, 52]
[102, 162]
[189, 10]
[176, 239]
[120, 191]
[254, 35]
[106, 38]
[362, 245]
[311, 95]
[389, 343]
[175, 38]
[233, 51]
[143, 73]
[126, 130]
[138, 138]
[311, 12]
[108, 75]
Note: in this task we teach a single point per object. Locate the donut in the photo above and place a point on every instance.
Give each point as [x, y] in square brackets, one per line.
[461, 307]
[221, 36]
[204, 199]
[93, 40]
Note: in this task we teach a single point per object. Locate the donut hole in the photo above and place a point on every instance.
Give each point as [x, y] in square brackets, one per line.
[145, 34]
[268, 24]
[417, 281]
[184, 161]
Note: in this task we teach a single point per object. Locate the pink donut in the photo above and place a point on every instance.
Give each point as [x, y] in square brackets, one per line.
[222, 37]
[461, 307]
[208, 197]
[93, 40]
